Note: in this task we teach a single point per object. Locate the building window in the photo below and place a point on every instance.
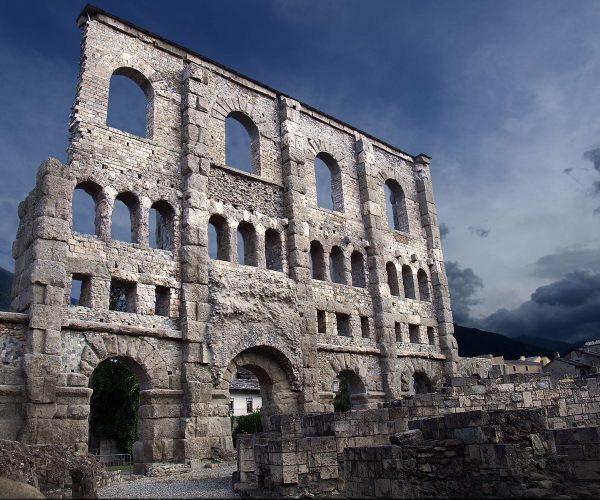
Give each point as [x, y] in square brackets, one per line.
[242, 143]
[162, 226]
[364, 327]
[125, 218]
[413, 333]
[80, 290]
[218, 238]
[162, 304]
[321, 321]
[343, 324]
[122, 296]
[246, 244]
[85, 198]
[231, 406]
[395, 206]
[317, 261]
[408, 282]
[392, 279]
[249, 405]
[358, 269]
[328, 181]
[336, 266]
[273, 253]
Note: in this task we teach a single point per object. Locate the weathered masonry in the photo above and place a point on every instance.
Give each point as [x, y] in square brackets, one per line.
[355, 290]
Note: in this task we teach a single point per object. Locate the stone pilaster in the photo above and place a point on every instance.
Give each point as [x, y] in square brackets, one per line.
[439, 281]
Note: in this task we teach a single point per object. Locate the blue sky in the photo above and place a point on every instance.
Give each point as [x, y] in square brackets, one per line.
[505, 97]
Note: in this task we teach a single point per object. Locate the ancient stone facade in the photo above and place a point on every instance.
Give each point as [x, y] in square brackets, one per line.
[323, 293]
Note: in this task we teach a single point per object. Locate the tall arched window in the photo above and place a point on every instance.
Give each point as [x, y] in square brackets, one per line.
[125, 218]
[242, 143]
[423, 285]
[392, 279]
[328, 180]
[395, 204]
[273, 257]
[246, 244]
[408, 282]
[162, 227]
[131, 103]
[218, 238]
[358, 269]
[317, 261]
[83, 208]
[336, 266]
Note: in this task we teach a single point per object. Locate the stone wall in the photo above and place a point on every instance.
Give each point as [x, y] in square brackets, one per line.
[567, 402]
[190, 321]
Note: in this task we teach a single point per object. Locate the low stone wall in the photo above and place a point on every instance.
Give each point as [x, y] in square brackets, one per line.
[467, 455]
[302, 452]
[568, 402]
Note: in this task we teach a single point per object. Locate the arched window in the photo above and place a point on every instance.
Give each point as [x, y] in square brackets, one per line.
[392, 279]
[395, 204]
[336, 266]
[358, 269]
[317, 261]
[162, 228]
[131, 103]
[273, 257]
[423, 285]
[242, 144]
[84, 202]
[408, 282]
[125, 218]
[328, 181]
[246, 244]
[218, 238]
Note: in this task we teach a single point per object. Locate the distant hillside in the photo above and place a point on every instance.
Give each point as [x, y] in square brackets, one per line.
[6, 278]
[554, 345]
[473, 342]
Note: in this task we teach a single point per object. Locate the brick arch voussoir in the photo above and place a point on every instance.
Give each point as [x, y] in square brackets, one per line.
[112, 62]
[139, 351]
[224, 106]
[316, 146]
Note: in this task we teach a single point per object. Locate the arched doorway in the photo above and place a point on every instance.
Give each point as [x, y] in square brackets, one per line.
[350, 392]
[113, 420]
[274, 376]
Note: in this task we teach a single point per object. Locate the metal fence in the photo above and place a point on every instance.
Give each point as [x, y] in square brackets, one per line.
[115, 460]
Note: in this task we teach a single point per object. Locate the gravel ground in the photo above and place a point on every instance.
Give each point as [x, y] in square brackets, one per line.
[199, 483]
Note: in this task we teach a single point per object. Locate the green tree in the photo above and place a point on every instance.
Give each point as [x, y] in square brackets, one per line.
[246, 424]
[341, 402]
[114, 404]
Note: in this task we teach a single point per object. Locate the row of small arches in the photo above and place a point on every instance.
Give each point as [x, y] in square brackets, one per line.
[408, 289]
[247, 244]
[242, 145]
[90, 206]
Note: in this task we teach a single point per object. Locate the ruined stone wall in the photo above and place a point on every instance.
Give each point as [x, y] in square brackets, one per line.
[13, 330]
[567, 402]
[190, 321]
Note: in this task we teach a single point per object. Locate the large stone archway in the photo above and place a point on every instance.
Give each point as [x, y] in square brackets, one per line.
[275, 375]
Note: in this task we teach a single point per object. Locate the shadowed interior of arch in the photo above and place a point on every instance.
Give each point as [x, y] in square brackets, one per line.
[350, 391]
[113, 419]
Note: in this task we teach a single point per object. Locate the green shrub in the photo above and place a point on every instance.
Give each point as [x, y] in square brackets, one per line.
[246, 424]
[341, 402]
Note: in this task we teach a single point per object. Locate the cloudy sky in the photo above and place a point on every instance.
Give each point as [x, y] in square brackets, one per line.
[505, 96]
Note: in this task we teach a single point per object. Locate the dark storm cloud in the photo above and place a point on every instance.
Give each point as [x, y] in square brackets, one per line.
[559, 264]
[464, 285]
[593, 155]
[566, 310]
[444, 230]
[479, 231]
